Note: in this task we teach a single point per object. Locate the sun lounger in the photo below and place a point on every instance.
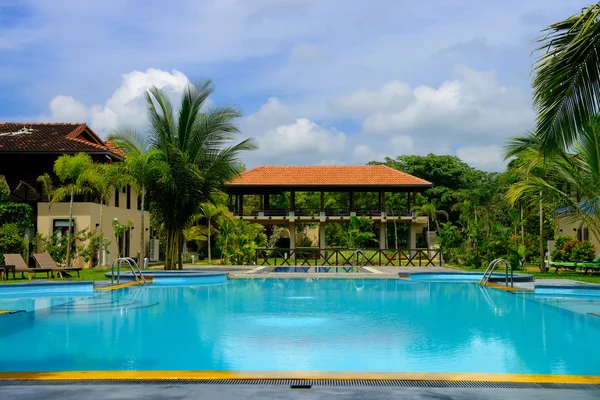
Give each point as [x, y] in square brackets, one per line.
[563, 265]
[44, 260]
[21, 266]
[573, 266]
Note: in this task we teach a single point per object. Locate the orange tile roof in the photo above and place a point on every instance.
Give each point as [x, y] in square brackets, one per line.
[53, 137]
[359, 175]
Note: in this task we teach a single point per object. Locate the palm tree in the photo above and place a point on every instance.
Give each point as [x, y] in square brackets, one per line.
[143, 166]
[567, 78]
[196, 158]
[47, 188]
[103, 179]
[431, 211]
[71, 171]
[212, 213]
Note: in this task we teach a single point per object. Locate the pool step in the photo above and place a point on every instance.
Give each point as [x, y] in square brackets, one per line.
[119, 286]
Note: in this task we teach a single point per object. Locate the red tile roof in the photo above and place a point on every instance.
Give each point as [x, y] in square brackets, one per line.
[361, 175]
[50, 137]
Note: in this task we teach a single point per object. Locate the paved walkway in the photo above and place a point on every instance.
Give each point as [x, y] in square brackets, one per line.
[235, 392]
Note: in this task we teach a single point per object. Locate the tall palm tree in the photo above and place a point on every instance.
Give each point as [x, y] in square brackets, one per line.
[71, 170]
[143, 166]
[47, 188]
[196, 157]
[104, 179]
[211, 212]
[567, 78]
[569, 179]
[432, 212]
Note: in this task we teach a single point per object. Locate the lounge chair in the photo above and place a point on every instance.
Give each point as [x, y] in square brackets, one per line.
[21, 266]
[593, 265]
[44, 260]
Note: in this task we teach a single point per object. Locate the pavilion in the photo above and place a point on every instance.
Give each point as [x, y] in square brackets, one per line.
[267, 181]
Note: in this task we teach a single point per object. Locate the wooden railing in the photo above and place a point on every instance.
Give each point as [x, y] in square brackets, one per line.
[310, 256]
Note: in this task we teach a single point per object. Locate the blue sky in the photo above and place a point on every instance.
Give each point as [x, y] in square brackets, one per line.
[318, 81]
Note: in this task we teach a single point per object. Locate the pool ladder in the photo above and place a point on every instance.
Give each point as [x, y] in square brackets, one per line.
[490, 269]
[135, 270]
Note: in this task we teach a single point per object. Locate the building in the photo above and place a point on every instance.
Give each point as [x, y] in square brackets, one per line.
[28, 150]
[568, 224]
[267, 181]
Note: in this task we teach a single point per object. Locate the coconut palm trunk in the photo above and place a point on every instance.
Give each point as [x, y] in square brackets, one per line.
[208, 236]
[142, 234]
[68, 262]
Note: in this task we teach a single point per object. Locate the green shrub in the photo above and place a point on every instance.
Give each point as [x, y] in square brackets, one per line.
[4, 189]
[583, 251]
[569, 249]
[11, 240]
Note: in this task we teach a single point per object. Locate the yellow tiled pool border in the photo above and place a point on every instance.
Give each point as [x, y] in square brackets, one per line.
[205, 375]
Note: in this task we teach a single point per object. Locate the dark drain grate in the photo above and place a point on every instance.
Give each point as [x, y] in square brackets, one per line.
[307, 383]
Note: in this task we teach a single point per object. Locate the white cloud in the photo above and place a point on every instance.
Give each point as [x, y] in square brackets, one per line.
[488, 158]
[126, 105]
[474, 105]
[286, 139]
[305, 52]
[363, 154]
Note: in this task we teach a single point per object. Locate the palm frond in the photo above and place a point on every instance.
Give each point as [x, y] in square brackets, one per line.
[567, 78]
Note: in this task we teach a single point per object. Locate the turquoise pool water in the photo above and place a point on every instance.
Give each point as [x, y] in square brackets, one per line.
[300, 324]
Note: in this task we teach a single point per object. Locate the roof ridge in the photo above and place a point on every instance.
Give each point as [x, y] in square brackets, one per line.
[42, 123]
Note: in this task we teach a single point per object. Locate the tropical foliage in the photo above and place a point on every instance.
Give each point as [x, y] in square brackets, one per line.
[194, 157]
[238, 241]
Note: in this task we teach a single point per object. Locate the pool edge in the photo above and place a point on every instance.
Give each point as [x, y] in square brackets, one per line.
[266, 375]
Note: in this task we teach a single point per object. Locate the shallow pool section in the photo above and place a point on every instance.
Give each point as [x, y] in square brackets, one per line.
[171, 278]
[463, 277]
[581, 299]
[272, 324]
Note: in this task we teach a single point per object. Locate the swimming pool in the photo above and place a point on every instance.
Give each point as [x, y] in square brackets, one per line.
[276, 324]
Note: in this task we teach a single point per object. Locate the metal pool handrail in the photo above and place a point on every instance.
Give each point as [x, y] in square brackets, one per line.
[490, 269]
[355, 258]
[135, 270]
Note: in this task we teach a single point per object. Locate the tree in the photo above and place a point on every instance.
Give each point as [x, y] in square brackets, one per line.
[47, 188]
[195, 157]
[211, 212]
[530, 165]
[71, 171]
[566, 85]
[104, 179]
[143, 166]
[432, 212]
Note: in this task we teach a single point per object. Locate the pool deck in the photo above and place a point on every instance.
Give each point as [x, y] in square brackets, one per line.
[234, 392]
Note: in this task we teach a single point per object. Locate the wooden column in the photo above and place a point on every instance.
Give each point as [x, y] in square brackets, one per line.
[267, 202]
[322, 201]
[260, 207]
[380, 197]
[292, 201]
[383, 201]
[352, 205]
[241, 200]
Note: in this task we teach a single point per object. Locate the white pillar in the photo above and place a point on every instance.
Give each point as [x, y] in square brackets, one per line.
[322, 237]
[411, 241]
[292, 229]
[382, 235]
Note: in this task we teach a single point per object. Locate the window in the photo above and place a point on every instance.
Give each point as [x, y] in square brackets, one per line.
[62, 226]
[128, 197]
[117, 194]
[583, 233]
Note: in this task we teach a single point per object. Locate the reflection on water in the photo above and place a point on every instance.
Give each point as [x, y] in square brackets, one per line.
[305, 324]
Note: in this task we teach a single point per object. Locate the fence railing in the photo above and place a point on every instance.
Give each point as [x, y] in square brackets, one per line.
[312, 212]
[309, 256]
